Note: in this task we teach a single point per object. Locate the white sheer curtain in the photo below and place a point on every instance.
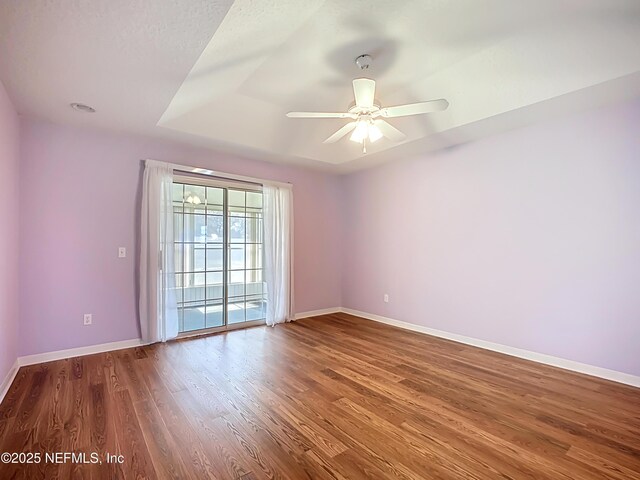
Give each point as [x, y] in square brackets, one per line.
[157, 303]
[278, 251]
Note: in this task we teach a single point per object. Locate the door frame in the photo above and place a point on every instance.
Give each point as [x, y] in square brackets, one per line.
[225, 185]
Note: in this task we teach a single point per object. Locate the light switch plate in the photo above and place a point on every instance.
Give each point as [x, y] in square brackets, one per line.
[122, 252]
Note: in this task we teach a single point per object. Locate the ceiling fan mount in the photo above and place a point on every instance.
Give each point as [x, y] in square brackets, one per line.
[368, 115]
[364, 61]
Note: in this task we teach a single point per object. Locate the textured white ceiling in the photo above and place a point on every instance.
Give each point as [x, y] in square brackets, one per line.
[125, 58]
[223, 73]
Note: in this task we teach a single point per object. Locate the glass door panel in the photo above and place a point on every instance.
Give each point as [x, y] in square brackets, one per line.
[246, 298]
[218, 256]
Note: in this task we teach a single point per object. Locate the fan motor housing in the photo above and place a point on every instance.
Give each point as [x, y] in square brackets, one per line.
[353, 108]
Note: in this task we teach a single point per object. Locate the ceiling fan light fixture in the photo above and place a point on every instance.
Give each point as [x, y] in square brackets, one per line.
[193, 199]
[374, 133]
[360, 133]
[365, 129]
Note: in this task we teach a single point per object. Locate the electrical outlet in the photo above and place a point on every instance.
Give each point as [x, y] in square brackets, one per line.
[122, 252]
[88, 319]
[386, 298]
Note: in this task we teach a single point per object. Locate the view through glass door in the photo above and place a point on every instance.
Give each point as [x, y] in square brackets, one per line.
[218, 255]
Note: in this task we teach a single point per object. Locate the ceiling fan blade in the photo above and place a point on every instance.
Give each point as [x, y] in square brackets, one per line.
[389, 131]
[341, 133]
[414, 109]
[320, 115]
[364, 90]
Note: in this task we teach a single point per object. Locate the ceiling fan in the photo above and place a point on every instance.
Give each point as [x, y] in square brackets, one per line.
[368, 117]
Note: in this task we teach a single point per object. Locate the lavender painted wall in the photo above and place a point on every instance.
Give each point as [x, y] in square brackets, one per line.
[79, 203]
[9, 218]
[529, 239]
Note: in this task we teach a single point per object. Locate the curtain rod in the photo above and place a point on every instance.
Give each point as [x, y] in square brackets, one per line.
[228, 176]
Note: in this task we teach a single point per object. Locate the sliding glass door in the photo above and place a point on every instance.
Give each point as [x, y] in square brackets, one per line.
[218, 255]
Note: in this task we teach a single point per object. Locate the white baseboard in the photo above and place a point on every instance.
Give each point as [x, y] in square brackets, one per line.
[315, 313]
[8, 380]
[103, 347]
[594, 371]
[496, 347]
[78, 352]
[135, 342]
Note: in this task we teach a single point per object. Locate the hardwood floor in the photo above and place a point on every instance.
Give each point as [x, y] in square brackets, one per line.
[333, 397]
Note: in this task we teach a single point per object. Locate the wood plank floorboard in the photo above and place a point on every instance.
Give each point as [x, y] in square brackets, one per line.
[330, 397]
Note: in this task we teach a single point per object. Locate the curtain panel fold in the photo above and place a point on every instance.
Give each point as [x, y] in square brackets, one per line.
[157, 302]
[278, 247]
